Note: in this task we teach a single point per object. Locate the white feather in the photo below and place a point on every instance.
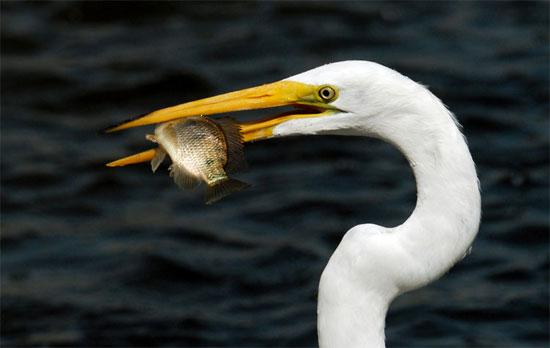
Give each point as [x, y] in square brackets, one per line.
[374, 264]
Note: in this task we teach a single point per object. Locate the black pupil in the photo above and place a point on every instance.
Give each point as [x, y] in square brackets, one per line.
[326, 93]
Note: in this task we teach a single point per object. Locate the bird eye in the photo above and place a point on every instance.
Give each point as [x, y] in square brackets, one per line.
[326, 93]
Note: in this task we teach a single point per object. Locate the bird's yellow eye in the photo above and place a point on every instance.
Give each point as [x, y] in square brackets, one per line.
[327, 93]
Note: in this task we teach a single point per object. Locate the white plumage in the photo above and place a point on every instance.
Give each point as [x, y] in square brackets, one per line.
[373, 264]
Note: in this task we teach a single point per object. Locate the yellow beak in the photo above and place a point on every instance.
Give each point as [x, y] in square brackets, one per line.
[144, 156]
[281, 93]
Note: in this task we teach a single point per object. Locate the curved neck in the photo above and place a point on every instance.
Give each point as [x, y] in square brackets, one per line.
[354, 296]
[446, 218]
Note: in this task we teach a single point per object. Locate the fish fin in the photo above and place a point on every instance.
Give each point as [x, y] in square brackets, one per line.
[160, 154]
[222, 189]
[151, 137]
[235, 147]
[182, 177]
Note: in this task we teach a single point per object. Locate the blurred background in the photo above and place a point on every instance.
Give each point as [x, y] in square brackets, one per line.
[96, 256]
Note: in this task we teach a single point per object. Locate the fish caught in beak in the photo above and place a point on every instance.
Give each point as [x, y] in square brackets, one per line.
[311, 101]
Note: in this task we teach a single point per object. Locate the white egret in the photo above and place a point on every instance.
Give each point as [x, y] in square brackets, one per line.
[372, 264]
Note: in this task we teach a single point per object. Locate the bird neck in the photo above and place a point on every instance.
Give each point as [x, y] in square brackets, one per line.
[350, 312]
[445, 220]
[372, 265]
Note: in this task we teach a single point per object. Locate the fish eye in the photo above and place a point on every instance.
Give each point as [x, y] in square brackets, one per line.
[327, 93]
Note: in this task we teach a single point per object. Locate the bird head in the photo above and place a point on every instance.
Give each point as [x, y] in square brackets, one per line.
[344, 98]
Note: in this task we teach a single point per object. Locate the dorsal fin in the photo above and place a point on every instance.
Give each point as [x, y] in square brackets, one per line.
[235, 148]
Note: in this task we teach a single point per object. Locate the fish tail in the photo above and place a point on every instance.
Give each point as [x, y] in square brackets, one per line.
[222, 189]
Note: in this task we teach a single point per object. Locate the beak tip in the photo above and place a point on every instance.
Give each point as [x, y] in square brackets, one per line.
[128, 123]
[133, 159]
[103, 131]
[111, 129]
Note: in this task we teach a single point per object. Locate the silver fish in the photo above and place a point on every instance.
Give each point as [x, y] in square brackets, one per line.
[201, 150]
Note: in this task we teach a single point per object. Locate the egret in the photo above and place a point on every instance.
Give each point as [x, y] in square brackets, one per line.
[372, 265]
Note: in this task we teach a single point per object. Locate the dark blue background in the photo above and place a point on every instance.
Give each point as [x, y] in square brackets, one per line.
[95, 256]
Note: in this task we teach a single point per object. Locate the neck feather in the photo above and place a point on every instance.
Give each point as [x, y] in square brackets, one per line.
[372, 265]
[446, 218]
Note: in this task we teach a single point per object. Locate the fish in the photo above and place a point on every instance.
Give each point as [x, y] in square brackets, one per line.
[201, 150]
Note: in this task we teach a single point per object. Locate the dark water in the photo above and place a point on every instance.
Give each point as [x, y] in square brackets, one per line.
[93, 256]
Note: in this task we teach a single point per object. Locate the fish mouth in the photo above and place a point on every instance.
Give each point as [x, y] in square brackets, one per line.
[307, 101]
